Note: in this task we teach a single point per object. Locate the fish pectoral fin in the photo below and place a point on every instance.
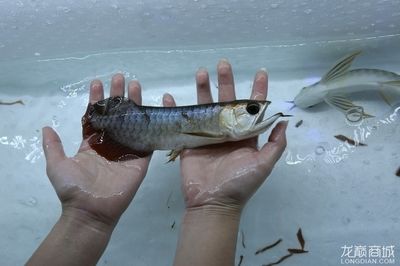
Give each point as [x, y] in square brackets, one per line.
[172, 155]
[340, 67]
[345, 105]
[208, 135]
[339, 102]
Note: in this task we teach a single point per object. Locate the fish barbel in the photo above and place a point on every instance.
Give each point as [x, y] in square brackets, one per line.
[138, 130]
[339, 81]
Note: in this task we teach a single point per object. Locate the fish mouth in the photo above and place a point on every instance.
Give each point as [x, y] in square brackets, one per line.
[263, 125]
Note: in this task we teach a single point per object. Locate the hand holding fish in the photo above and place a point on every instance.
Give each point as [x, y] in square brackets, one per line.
[94, 192]
[218, 180]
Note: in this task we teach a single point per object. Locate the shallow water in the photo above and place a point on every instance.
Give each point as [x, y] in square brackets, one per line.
[338, 194]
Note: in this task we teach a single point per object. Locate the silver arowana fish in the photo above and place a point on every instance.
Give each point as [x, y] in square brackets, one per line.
[340, 81]
[117, 127]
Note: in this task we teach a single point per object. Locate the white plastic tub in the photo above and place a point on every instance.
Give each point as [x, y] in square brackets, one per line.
[339, 195]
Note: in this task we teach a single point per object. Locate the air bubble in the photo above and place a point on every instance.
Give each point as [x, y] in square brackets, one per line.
[308, 11]
[30, 202]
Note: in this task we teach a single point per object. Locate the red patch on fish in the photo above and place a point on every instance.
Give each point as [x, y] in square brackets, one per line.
[104, 145]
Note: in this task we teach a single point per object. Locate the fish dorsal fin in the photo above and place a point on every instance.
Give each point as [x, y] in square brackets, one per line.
[341, 66]
[345, 105]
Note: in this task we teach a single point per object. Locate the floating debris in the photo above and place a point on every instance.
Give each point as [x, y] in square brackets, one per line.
[297, 251]
[299, 123]
[168, 199]
[240, 260]
[300, 238]
[398, 172]
[261, 250]
[291, 251]
[12, 103]
[242, 234]
[280, 260]
[350, 141]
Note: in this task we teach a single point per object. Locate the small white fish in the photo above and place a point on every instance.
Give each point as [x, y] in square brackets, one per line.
[340, 81]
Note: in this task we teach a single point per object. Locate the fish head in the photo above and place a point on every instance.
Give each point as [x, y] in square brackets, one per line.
[309, 96]
[245, 118]
[108, 105]
[94, 111]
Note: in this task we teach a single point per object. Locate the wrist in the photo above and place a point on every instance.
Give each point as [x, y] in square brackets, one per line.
[208, 236]
[91, 223]
[76, 239]
[231, 212]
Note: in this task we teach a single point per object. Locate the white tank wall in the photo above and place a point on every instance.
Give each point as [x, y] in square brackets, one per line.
[50, 28]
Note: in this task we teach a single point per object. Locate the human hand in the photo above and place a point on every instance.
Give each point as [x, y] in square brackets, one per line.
[228, 174]
[88, 185]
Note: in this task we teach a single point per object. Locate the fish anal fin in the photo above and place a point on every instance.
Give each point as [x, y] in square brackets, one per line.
[172, 155]
[108, 148]
[394, 83]
[340, 67]
[389, 91]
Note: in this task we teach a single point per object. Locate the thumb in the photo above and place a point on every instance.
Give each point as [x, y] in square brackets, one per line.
[273, 149]
[52, 146]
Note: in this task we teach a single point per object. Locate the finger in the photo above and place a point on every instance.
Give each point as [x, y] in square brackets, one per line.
[273, 149]
[226, 86]
[260, 85]
[96, 92]
[203, 87]
[135, 92]
[168, 100]
[117, 85]
[52, 147]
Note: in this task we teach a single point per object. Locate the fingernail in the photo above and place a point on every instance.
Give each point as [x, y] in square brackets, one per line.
[281, 130]
[224, 60]
[259, 97]
[263, 69]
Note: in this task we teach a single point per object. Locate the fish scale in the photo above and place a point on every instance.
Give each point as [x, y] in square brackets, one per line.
[156, 128]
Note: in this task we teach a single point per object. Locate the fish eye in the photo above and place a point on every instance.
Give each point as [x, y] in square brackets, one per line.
[116, 100]
[253, 108]
[100, 107]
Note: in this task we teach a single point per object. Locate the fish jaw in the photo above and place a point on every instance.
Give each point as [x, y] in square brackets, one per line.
[237, 125]
[263, 126]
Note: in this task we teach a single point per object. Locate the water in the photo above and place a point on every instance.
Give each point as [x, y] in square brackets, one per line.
[337, 193]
